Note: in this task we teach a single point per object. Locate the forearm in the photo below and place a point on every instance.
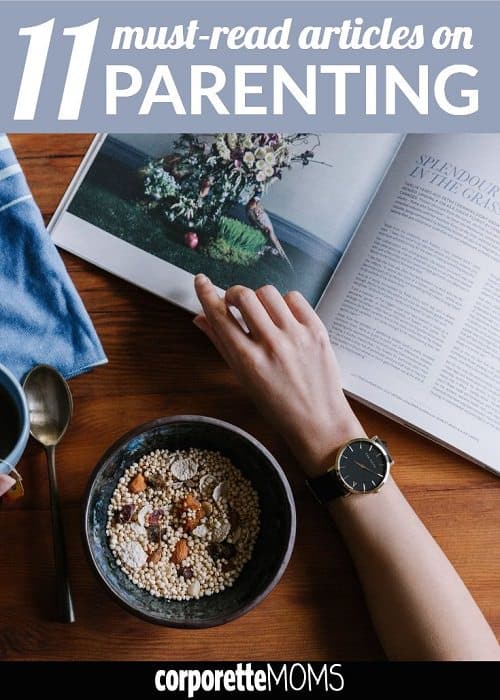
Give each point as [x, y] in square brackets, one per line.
[420, 607]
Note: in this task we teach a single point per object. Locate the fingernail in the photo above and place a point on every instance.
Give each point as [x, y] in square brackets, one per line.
[200, 277]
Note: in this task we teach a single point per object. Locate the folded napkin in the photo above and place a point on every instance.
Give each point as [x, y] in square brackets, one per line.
[42, 318]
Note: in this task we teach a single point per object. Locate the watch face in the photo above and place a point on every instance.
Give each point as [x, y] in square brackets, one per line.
[362, 466]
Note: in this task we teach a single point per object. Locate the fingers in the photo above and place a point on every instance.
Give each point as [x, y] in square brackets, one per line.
[209, 299]
[301, 309]
[263, 312]
[253, 312]
[220, 319]
[6, 483]
[275, 306]
[204, 326]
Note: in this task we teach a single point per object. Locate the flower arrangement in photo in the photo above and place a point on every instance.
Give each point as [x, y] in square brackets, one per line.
[205, 177]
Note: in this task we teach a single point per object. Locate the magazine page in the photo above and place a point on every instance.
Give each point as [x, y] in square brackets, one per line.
[414, 310]
[251, 209]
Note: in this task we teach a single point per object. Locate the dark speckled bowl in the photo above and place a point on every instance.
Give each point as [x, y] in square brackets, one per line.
[271, 552]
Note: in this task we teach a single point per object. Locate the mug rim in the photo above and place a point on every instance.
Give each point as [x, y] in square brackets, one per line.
[15, 386]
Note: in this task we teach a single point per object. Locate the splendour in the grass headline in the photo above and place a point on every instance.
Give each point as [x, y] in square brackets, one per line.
[244, 62]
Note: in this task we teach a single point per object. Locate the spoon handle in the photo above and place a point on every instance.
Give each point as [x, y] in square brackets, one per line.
[65, 601]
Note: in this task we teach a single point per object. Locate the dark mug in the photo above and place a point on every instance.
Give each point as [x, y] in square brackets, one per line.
[14, 421]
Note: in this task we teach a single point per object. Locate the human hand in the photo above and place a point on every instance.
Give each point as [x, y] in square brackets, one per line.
[6, 483]
[287, 364]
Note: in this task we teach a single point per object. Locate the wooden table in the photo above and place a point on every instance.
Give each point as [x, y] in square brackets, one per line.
[160, 364]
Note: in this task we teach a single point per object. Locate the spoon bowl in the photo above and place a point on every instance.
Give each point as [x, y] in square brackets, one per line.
[50, 404]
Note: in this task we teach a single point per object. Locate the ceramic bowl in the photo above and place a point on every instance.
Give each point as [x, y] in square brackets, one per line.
[273, 547]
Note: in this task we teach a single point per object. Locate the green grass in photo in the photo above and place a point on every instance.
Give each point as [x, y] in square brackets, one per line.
[233, 256]
[236, 242]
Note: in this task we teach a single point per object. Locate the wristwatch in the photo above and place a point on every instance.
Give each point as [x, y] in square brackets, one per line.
[362, 466]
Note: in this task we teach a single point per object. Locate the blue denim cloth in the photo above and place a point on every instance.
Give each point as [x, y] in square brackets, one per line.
[42, 318]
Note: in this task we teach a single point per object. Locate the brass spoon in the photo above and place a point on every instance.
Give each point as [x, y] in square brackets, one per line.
[50, 407]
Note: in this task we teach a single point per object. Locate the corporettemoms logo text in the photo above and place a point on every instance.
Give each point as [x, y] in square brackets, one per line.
[244, 678]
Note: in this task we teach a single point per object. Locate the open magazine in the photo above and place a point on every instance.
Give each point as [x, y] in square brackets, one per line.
[395, 241]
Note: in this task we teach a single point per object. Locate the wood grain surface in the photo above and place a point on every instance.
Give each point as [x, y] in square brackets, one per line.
[159, 364]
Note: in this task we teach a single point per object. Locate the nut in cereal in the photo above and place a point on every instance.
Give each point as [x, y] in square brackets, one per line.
[181, 551]
[184, 469]
[137, 484]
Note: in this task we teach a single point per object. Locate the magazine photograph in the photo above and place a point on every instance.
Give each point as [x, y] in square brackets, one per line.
[248, 209]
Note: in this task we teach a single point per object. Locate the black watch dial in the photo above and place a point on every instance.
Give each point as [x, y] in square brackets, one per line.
[362, 466]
